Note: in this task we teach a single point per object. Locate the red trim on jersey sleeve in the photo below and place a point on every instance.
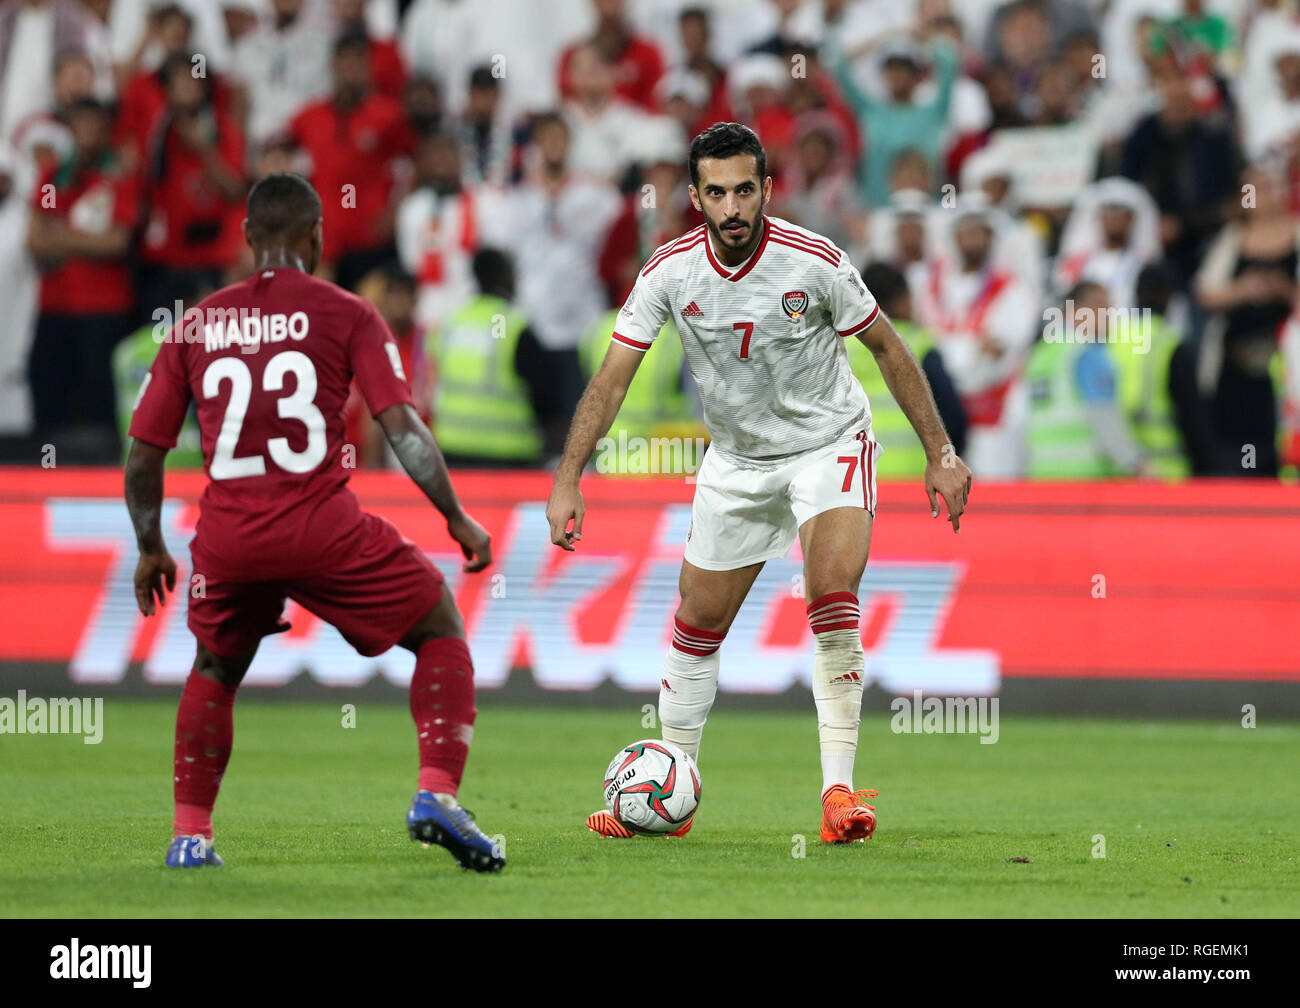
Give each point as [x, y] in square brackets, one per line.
[861, 325]
[688, 240]
[820, 244]
[804, 248]
[628, 341]
[671, 252]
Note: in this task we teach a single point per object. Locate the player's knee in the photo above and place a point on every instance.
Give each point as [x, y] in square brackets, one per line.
[227, 671]
[443, 620]
[703, 615]
[833, 583]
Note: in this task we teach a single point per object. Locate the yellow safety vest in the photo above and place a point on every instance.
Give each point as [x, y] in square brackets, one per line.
[903, 456]
[481, 406]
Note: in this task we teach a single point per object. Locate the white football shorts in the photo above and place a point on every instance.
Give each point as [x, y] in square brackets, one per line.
[745, 513]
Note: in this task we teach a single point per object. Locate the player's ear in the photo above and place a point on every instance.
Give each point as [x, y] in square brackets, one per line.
[767, 190]
[243, 227]
[695, 197]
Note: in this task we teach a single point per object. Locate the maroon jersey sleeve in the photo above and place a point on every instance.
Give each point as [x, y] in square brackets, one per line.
[377, 362]
[163, 398]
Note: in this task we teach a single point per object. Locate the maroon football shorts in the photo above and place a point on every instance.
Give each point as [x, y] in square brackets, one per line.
[372, 595]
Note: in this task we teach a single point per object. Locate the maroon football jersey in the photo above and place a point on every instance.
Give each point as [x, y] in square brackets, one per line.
[268, 363]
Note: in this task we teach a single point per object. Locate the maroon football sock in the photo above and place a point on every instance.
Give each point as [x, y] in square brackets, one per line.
[205, 729]
[442, 703]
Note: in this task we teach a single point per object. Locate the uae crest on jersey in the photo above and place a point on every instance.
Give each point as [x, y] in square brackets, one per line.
[794, 303]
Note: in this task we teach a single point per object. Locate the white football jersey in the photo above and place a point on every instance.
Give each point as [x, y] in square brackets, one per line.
[764, 342]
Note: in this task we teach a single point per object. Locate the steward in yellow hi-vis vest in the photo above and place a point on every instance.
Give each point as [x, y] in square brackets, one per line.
[493, 380]
[1078, 427]
[1142, 349]
[132, 359]
[657, 403]
[903, 457]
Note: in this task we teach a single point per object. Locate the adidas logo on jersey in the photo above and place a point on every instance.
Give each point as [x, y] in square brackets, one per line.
[692, 310]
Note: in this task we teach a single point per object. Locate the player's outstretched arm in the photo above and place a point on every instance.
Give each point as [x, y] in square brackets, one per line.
[420, 456]
[946, 475]
[591, 422]
[155, 572]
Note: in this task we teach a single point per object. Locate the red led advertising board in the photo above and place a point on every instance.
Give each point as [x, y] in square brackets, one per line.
[1104, 582]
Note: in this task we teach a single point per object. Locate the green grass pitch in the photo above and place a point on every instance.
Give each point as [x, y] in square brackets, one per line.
[1199, 820]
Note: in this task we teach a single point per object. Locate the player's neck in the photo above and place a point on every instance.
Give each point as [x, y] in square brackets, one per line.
[280, 258]
[736, 257]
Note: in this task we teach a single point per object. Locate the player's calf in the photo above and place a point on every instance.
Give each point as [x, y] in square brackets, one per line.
[838, 667]
[689, 685]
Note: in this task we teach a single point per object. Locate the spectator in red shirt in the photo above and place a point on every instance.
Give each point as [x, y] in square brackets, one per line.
[636, 63]
[694, 30]
[422, 102]
[193, 189]
[392, 291]
[387, 71]
[357, 140]
[44, 136]
[144, 94]
[83, 214]
[651, 217]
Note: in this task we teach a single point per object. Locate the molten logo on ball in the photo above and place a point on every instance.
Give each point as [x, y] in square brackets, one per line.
[652, 787]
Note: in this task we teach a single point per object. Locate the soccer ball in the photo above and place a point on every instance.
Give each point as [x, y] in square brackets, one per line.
[652, 787]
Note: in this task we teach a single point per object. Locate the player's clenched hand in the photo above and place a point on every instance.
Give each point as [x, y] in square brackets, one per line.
[153, 573]
[564, 506]
[474, 542]
[950, 479]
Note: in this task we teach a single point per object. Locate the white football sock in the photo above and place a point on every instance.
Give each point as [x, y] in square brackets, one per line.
[838, 666]
[689, 685]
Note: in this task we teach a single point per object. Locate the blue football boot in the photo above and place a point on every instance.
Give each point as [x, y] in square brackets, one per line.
[192, 852]
[430, 821]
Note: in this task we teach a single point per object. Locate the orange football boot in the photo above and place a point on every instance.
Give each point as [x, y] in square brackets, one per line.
[604, 823]
[846, 816]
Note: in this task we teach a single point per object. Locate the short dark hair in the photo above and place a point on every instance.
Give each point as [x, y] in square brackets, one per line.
[1081, 289]
[352, 39]
[483, 77]
[88, 103]
[396, 278]
[548, 117]
[282, 205]
[183, 63]
[492, 268]
[886, 282]
[170, 10]
[725, 140]
[1154, 288]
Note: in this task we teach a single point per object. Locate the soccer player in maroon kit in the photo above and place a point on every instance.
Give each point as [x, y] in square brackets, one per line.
[268, 363]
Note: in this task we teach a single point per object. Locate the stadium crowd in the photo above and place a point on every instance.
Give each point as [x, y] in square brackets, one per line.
[1083, 215]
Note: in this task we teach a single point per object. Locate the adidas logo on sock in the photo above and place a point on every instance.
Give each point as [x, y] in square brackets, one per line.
[667, 688]
[847, 677]
[692, 310]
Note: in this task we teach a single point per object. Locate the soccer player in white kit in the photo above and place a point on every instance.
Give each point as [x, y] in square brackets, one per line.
[763, 308]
